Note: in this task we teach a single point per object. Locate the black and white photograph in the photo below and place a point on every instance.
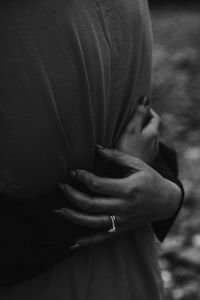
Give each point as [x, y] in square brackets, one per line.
[99, 150]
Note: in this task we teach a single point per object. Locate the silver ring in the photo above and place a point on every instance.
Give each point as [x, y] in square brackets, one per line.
[113, 229]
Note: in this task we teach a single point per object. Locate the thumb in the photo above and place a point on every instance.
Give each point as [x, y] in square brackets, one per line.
[139, 117]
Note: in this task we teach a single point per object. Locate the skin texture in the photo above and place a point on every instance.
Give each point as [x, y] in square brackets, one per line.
[141, 133]
[139, 198]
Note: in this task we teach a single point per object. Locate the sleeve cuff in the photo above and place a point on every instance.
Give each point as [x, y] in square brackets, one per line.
[166, 165]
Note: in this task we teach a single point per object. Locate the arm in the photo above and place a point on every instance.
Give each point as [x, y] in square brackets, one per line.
[147, 147]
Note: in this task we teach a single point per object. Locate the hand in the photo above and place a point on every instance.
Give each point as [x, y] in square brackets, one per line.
[138, 199]
[140, 138]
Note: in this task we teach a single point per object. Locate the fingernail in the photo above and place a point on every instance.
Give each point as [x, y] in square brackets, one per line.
[144, 101]
[74, 247]
[61, 186]
[99, 147]
[58, 212]
[72, 173]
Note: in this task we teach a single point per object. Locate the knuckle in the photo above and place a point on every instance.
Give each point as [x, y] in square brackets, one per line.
[93, 184]
[128, 192]
[134, 187]
[146, 179]
[133, 193]
[138, 186]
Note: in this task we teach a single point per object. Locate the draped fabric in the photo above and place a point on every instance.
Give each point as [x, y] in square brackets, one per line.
[71, 73]
[124, 268]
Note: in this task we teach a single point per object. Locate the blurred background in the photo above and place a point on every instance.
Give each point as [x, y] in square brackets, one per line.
[176, 96]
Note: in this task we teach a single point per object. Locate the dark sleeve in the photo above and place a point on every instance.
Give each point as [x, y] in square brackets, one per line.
[166, 164]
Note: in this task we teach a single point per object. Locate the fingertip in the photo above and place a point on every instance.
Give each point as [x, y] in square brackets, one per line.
[61, 186]
[102, 151]
[144, 101]
[75, 246]
[81, 175]
[72, 173]
[99, 147]
[58, 212]
[78, 174]
[66, 188]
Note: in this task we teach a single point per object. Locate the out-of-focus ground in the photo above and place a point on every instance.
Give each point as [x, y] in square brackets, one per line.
[177, 99]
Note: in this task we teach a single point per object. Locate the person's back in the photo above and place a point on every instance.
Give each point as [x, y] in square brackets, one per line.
[71, 73]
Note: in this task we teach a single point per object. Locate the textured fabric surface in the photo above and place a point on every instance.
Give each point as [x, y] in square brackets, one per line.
[124, 268]
[71, 74]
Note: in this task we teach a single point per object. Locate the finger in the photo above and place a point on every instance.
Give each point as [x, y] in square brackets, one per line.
[138, 119]
[84, 219]
[97, 238]
[100, 237]
[120, 158]
[114, 187]
[95, 204]
[153, 126]
[94, 239]
[81, 218]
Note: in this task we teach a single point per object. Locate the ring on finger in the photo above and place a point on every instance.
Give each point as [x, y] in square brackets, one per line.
[113, 228]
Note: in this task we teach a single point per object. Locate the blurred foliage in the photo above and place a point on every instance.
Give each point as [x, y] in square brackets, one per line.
[176, 97]
[166, 2]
